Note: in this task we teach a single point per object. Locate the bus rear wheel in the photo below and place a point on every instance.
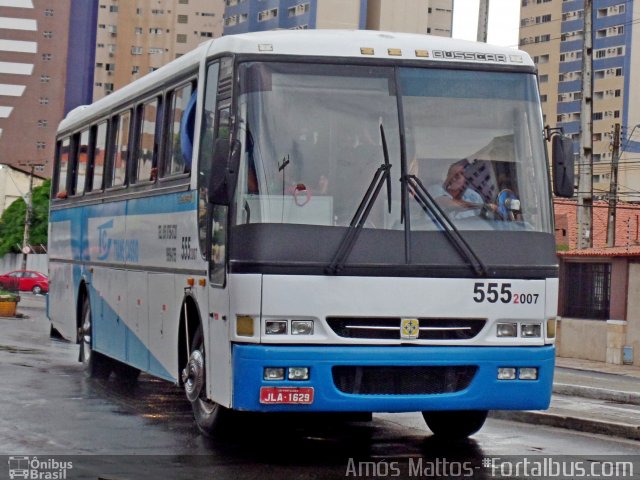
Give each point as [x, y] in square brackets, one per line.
[95, 364]
[210, 417]
[455, 424]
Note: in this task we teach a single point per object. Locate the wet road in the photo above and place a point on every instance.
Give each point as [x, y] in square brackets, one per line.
[49, 409]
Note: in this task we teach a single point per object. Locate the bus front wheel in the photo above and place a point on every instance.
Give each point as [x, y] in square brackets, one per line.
[210, 417]
[95, 364]
[455, 424]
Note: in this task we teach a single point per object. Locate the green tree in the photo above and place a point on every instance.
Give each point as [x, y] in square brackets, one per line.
[12, 221]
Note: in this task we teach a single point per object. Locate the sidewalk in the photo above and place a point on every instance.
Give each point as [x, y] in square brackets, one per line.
[592, 397]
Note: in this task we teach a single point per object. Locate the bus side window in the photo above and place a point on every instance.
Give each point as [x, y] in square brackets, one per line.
[62, 167]
[181, 130]
[99, 157]
[120, 155]
[147, 148]
[83, 161]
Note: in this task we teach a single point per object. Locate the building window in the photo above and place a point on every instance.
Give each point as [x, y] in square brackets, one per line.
[48, 12]
[588, 288]
[47, 34]
[267, 14]
[42, 123]
[45, 78]
[136, 50]
[138, 31]
[183, 2]
[46, 57]
[44, 100]
[113, 8]
[183, 18]
[135, 69]
[41, 145]
[155, 51]
[181, 38]
[301, 9]
[206, 34]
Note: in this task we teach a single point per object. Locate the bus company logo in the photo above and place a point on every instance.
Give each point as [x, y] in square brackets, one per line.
[409, 328]
[104, 242]
[35, 469]
[476, 56]
[125, 250]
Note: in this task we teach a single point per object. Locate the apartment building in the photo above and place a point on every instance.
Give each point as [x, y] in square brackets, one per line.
[552, 32]
[135, 38]
[36, 45]
[416, 16]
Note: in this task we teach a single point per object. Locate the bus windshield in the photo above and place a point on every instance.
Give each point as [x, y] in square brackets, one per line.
[312, 144]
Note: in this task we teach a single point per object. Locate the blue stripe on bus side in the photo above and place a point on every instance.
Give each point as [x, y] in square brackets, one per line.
[112, 337]
[173, 203]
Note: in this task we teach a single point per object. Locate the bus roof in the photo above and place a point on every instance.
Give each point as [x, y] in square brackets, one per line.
[360, 44]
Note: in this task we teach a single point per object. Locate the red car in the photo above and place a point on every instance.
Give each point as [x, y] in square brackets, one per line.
[27, 280]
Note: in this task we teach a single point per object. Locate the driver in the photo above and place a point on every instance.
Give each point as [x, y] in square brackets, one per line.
[455, 193]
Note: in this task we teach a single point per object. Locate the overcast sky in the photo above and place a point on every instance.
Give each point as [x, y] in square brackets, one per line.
[504, 20]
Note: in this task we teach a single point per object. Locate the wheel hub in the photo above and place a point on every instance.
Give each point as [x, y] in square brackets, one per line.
[193, 375]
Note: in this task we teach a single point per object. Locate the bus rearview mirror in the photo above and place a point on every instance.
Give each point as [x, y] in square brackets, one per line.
[562, 164]
[224, 171]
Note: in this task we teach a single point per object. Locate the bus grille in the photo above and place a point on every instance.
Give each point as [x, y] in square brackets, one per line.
[402, 380]
[388, 328]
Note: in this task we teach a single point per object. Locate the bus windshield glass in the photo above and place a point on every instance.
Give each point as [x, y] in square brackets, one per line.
[311, 137]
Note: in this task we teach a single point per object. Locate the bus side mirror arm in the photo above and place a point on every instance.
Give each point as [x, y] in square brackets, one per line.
[224, 171]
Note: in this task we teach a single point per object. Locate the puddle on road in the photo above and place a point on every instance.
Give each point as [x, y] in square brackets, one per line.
[14, 349]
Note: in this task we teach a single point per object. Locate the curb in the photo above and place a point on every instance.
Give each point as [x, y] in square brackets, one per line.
[572, 423]
[593, 393]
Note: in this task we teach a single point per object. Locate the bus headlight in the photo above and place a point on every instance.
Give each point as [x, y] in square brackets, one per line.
[298, 373]
[528, 373]
[273, 373]
[275, 327]
[506, 373]
[531, 330]
[507, 329]
[301, 327]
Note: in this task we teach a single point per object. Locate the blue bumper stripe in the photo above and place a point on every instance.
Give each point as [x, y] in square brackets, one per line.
[484, 393]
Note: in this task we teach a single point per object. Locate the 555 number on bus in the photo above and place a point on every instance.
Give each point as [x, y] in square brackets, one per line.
[494, 292]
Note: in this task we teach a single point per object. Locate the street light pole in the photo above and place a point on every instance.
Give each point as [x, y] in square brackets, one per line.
[27, 221]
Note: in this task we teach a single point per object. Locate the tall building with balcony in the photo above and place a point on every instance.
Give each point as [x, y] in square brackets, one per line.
[417, 16]
[40, 50]
[552, 32]
[135, 38]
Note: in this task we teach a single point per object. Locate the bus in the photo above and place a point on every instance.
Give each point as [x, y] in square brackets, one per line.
[316, 221]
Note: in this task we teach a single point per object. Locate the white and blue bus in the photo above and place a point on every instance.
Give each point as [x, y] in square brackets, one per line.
[315, 221]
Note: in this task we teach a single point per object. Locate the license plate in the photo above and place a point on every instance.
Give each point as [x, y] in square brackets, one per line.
[286, 395]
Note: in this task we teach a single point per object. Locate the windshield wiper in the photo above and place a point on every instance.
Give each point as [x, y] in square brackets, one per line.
[382, 175]
[433, 210]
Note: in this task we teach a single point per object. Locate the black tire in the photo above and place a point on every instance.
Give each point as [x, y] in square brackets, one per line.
[211, 418]
[455, 424]
[36, 290]
[96, 365]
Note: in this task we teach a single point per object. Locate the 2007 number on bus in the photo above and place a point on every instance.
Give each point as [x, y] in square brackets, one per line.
[494, 292]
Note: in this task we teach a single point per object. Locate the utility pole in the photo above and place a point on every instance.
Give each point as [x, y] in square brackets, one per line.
[483, 21]
[613, 188]
[585, 182]
[27, 221]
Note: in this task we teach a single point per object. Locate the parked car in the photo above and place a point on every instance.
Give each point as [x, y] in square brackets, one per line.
[27, 280]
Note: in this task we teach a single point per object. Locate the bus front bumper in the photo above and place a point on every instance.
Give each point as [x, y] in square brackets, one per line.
[391, 378]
